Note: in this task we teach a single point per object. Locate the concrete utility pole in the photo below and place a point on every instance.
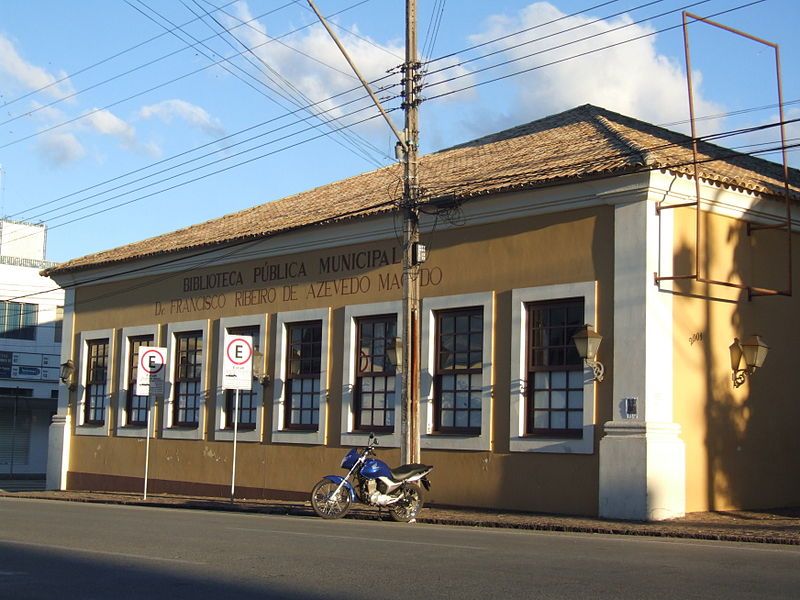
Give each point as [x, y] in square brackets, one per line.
[410, 421]
[408, 142]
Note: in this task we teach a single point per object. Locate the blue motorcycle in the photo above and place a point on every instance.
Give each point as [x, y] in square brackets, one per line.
[370, 481]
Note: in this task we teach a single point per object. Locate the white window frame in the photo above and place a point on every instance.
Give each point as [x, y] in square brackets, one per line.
[123, 429]
[169, 430]
[82, 428]
[221, 433]
[519, 441]
[291, 436]
[447, 441]
[352, 313]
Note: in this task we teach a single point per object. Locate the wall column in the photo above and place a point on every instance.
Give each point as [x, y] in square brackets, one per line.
[642, 458]
[60, 432]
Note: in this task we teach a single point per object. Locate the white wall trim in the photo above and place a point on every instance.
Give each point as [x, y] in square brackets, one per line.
[82, 428]
[519, 441]
[123, 429]
[222, 433]
[430, 439]
[351, 314]
[59, 435]
[279, 434]
[169, 430]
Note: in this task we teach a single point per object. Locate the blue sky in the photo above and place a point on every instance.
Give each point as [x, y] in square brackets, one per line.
[78, 138]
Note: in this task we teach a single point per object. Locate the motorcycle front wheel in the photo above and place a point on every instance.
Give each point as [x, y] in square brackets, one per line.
[407, 508]
[327, 503]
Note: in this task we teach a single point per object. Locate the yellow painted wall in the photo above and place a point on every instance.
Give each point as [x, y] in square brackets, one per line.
[742, 447]
[532, 251]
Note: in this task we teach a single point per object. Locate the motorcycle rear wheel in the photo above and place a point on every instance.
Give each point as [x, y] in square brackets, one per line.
[407, 508]
[324, 503]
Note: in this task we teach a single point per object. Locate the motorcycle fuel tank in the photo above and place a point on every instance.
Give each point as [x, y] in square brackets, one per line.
[375, 468]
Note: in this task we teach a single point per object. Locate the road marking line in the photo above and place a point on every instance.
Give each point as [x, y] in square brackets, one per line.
[104, 552]
[359, 538]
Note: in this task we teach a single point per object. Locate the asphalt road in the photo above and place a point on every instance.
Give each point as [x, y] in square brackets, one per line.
[70, 551]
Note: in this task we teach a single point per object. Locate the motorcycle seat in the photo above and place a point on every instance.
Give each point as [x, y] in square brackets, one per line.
[403, 472]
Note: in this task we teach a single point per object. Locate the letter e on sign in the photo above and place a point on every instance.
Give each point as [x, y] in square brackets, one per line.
[237, 362]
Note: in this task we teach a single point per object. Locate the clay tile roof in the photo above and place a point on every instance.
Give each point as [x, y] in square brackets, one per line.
[580, 143]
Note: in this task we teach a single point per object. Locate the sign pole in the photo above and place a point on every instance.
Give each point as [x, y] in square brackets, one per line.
[150, 383]
[235, 432]
[237, 374]
[147, 447]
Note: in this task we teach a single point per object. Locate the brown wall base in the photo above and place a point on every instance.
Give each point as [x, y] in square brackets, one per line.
[119, 483]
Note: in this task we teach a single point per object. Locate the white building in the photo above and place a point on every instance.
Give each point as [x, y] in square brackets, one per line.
[31, 313]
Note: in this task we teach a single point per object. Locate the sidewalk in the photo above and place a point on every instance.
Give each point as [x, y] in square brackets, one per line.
[780, 526]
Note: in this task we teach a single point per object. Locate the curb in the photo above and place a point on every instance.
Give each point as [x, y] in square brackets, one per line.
[546, 524]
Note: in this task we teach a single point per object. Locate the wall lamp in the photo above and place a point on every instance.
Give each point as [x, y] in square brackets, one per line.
[753, 350]
[394, 352]
[259, 374]
[67, 374]
[587, 341]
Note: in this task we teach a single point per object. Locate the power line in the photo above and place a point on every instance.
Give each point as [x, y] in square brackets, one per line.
[561, 60]
[110, 58]
[198, 178]
[521, 31]
[359, 142]
[258, 81]
[28, 113]
[281, 42]
[564, 44]
[213, 163]
[187, 152]
[151, 89]
[234, 246]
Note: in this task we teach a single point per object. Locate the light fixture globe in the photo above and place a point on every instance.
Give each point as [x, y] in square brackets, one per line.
[736, 354]
[67, 369]
[755, 351]
[67, 374]
[587, 341]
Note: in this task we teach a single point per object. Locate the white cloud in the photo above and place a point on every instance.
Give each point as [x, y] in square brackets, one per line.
[316, 81]
[30, 76]
[59, 149]
[105, 122]
[180, 109]
[631, 78]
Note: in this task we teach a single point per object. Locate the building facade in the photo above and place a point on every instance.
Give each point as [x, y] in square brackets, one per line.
[580, 218]
[31, 310]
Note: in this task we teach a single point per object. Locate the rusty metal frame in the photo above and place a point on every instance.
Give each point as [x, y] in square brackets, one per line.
[751, 290]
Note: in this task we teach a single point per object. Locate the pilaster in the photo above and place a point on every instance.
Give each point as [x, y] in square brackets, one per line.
[642, 458]
[60, 432]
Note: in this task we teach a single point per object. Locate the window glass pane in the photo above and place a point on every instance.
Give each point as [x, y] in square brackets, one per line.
[447, 418]
[575, 400]
[447, 400]
[541, 380]
[475, 418]
[541, 400]
[558, 399]
[558, 419]
[576, 379]
[575, 419]
[540, 419]
[558, 379]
